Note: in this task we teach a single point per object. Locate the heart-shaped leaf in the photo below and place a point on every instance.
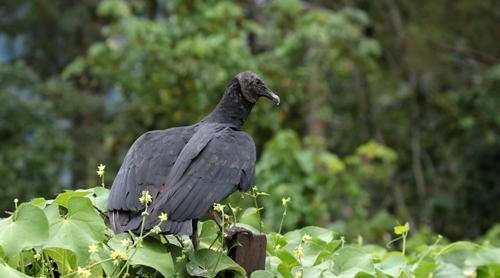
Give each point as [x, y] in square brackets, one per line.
[28, 228]
[79, 229]
[206, 262]
[152, 253]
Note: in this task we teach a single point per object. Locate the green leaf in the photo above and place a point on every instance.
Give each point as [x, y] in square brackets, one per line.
[458, 258]
[208, 233]
[104, 254]
[179, 263]
[403, 275]
[262, 274]
[426, 266]
[392, 265]
[287, 258]
[350, 261]
[249, 211]
[272, 263]
[323, 234]
[323, 256]
[446, 270]
[352, 273]
[380, 274]
[276, 239]
[65, 259]
[39, 202]
[326, 265]
[7, 271]
[153, 254]
[284, 271]
[81, 227]
[29, 229]
[491, 270]
[204, 262]
[484, 257]
[99, 198]
[307, 271]
[311, 252]
[363, 274]
[225, 201]
[62, 199]
[399, 230]
[332, 245]
[392, 253]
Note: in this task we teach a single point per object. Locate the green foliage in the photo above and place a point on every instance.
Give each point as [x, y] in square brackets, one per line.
[28, 223]
[152, 254]
[77, 230]
[207, 262]
[37, 241]
[319, 182]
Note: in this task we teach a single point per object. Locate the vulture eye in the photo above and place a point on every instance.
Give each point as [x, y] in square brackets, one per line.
[258, 82]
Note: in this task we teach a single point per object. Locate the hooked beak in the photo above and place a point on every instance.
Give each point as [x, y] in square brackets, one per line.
[272, 96]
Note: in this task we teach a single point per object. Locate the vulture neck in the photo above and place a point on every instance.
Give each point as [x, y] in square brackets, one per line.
[233, 109]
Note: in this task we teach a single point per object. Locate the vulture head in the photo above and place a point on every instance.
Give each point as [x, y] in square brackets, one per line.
[253, 87]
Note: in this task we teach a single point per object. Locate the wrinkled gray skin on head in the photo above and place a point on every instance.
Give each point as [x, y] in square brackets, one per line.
[253, 87]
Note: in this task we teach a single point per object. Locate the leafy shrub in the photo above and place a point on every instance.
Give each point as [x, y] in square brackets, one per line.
[68, 237]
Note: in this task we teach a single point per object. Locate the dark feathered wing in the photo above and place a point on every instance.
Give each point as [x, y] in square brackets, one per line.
[145, 167]
[216, 162]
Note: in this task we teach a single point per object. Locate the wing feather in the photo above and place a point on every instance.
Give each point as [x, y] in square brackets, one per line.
[146, 167]
[216, 162]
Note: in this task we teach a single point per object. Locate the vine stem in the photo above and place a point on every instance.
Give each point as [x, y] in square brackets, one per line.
[258, 214]
[222, 236]
[282, 219]
[215, 268]
[21, 262]
[49, 266]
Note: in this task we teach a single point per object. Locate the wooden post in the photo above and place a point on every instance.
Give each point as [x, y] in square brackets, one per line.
[251, 255]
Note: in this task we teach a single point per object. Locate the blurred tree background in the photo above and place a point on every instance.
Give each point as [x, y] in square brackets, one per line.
[389, 108]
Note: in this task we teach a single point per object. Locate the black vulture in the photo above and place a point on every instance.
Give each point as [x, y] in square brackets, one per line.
[188, 169]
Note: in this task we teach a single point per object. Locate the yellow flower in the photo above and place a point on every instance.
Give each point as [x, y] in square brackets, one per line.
[219, 207]
[36, 256]
[156, 229]
[146, 198]
[298, 274]
[93, 248]
[117, 255]
[163, 217]
[101, 170]
[126, 242]
[83, 273]
[298, 252]
[306, 237]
